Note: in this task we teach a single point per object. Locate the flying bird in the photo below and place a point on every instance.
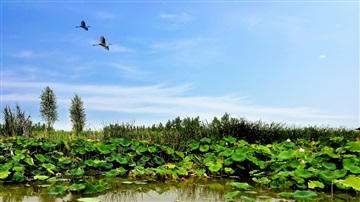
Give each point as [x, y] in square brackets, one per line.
[103, 43]
[83, 25]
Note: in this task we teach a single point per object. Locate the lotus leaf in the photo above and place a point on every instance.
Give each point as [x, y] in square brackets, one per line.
[229, 170]
[121, 159]
[205, 140]
[20, 169]
[105, 149]
[145, 158]
[204, 148]
[352, 168]
[193, 146]
[303, 173]
[329, 165]
[111, 173]
[158, 160]
[240, 185]
[29, 161]
[162, 171]
[18, 157]
[228, 152]
[181, 154]
[232, 194]
[351, 181]
[170, 166]
[40, 157]
[125, 142]
[4, 174]
[57, 190]
[168, 150]
[152, 149]
[40, 177]
[78, 172]
[214, 167]
[314, 184]
[120, 170]
[238, 157]
[182, 171]
[18, 177]
[286, 155]
[48, 166]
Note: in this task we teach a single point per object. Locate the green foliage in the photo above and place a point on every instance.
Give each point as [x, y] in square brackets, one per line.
[16, 123]
[48, 108]
[77, 114]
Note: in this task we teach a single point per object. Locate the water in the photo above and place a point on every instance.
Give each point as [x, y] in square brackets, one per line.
[191, 190]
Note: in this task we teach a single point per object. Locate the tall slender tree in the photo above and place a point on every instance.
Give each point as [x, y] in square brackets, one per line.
[77, 114]
[48, 108]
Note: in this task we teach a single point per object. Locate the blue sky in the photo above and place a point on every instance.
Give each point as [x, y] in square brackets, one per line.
[290, 62]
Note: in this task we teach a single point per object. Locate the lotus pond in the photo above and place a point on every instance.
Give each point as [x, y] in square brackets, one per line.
[209, 170]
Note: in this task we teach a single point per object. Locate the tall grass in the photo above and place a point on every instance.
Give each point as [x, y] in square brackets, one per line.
[179, 132]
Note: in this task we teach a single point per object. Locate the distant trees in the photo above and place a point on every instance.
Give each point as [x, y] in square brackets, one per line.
[77, 114]
[48, 108]
[16, 122]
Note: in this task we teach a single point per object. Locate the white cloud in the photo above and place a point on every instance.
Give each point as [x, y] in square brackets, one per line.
[105, 15]
[182, 17]
[23, 54]
[321, 57]
[162, 101]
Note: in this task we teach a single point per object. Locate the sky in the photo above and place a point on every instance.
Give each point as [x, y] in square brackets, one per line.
[293, 62]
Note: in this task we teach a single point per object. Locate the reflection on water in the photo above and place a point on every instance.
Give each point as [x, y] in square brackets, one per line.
[199, 190]
[189, 190]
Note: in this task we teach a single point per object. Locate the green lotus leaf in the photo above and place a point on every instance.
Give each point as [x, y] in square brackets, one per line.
[327, 175]
[162, 171]
[205, 140]
[4, 174]
[40, 157]
[125, 142]
[168, 150]
[200, 172]
[40, 177]
[52, 180]
[288, 144]
[230, 139]
[78, 172]
[329, 165]
[314, 184]
[121, 159]
[139, 171]
[141, 149]
[145, 158]
[152, 149]
[352, 168]
[120, 171]
[285, 194]
[286, 155]
[240, 185]
[111, 173]
[18, 157]
[90, 188]
[48, 166]
[228, 152]
[105, 149]
[158, 160]
[229, 170]
[214, 167]
[232, 194]
[182, 171]
[77, 187]
[193, 146]
[29, 161]
[304, 195]
[57, 190]
[303, 173]
[262, 148]
[204, 148]
[107, 165]
[20, 169]
[18, 177]
[181, 154]
[351, 181]
[170, 166]
[256, 161]
[353, 146]
[238, 157]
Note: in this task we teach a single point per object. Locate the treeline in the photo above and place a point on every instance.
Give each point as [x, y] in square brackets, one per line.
[180, 132]
[17, 123]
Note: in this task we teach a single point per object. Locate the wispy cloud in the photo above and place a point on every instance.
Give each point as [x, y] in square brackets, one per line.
[164, 100]
[105, 15]
[23, 54]
[321, 57]
[182, 17]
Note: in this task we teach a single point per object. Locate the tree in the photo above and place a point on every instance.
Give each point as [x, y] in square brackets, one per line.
[16, 122]
[77, 114]
[48, 108]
